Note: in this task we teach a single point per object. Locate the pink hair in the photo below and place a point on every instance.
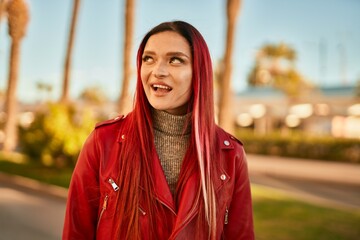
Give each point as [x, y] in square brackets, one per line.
[140, 133]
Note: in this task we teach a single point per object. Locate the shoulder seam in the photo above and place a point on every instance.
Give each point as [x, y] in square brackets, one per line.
[235, 139]
[110, 121]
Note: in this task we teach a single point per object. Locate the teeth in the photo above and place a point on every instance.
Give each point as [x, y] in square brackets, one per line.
[161, 86]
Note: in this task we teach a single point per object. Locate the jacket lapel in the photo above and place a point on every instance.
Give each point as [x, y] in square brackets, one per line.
[162, 190]
[189, 197]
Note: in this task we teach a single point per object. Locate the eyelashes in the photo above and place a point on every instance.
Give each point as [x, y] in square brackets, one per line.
[172, 60]
[176, 60]
[147, 59]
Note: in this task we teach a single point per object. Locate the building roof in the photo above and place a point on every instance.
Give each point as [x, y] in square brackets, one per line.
[270, 92]
[338, 91]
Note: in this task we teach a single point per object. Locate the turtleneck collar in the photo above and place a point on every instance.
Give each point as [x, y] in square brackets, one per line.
[170, 124]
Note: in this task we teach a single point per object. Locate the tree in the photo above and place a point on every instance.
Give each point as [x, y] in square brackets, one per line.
[275, 66]
[93, 95]
[225, 99]
[45, 90]
[67, 68]
[18, 18]
[357, 89]
[3, 7]
[125, 98]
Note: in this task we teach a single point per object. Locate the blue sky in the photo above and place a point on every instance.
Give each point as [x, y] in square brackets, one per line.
[325, 34]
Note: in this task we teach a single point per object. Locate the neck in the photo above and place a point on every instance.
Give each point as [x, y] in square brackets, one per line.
[171, 124]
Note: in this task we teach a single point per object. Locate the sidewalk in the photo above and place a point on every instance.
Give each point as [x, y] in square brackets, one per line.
[34, 185]
[292, 168]
[332, 172]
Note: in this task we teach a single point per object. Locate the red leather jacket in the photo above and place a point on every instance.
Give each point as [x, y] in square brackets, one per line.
[92, 193]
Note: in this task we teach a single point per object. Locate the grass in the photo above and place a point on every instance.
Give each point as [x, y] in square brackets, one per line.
[277, 215]
[281, 217]
[20, 165]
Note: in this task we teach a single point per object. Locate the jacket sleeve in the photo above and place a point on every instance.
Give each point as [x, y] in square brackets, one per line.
[83, 197]
[240, 212]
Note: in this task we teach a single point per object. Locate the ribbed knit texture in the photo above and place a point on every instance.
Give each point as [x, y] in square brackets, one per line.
[171, 142]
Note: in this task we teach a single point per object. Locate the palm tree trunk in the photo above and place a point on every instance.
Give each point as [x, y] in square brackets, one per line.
[226, 118]
[2, 9]
[67, 69]
[2, 12]
[125, 98]
[10, 100]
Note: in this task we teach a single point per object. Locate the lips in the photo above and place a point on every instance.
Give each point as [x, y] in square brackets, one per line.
[161, 87]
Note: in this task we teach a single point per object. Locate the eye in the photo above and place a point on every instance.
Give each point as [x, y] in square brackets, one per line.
[176, 60]
[147, 59]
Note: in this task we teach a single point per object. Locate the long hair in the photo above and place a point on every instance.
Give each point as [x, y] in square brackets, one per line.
[136, 164]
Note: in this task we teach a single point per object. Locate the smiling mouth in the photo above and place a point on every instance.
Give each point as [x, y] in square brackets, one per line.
[158, 87]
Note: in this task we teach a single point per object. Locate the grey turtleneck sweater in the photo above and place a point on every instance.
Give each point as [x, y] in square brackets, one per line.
[171, 143]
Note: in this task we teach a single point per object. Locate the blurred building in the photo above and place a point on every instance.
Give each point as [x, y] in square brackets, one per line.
[331, 111]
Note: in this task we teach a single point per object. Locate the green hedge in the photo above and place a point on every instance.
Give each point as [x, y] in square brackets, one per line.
[300, 145]
[57, 134]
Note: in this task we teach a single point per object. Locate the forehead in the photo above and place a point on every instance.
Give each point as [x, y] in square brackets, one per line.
[168, 41]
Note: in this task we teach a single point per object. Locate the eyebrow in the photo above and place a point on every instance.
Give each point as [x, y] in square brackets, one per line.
[180, 54]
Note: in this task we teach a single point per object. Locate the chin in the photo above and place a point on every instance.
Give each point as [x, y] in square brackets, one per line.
[158, 107]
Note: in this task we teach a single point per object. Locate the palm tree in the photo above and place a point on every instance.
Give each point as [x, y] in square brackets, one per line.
[45, 90]
[65, 91]
[18, 18]
[275, 66]
[357, 89]
[2, 8]
[275, 53]
[225, 99]
[125, 99]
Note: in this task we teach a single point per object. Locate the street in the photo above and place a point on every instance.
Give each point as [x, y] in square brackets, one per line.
[322, 193]
[332, 184]
[29, 214]
[31, 210]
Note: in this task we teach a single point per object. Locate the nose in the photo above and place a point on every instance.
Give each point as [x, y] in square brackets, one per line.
[160, 70]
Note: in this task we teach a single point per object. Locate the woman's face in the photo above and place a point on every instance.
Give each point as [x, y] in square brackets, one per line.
[166, 72]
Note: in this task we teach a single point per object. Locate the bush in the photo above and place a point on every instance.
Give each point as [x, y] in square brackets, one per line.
[300, 145]
[57, 134]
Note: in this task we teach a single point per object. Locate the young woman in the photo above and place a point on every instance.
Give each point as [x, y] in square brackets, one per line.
[164, 171]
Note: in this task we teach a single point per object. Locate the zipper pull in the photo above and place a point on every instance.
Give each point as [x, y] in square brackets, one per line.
[105, 202]
[226, 219]
[142, 211]
[104, 206]
[113, 184]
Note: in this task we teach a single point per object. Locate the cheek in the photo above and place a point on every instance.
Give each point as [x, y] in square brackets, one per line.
[144, 81]
[186, 80]
[144, 73]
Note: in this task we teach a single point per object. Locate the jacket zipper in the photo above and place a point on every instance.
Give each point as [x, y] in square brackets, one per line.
[104, 206]
[226, 218]
[167, 206]
[105, 203]
[187, 219]
[113, 184]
